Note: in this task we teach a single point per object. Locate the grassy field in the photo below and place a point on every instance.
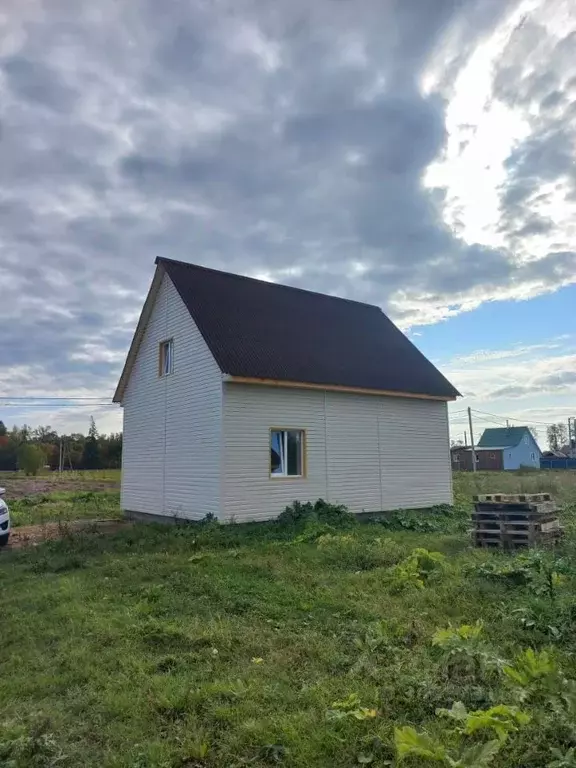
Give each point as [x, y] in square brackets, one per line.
[64, 506]
[62, 497]
[310, 644]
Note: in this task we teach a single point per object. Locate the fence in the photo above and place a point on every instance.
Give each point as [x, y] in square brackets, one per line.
[557, 463]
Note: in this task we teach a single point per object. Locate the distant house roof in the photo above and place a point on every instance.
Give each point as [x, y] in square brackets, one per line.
[502, 437]
[265, 331]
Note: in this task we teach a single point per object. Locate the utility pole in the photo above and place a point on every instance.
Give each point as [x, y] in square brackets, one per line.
[472, 440]
[61, 457]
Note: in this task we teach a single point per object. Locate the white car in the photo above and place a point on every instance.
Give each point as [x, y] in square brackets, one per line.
[4, 520]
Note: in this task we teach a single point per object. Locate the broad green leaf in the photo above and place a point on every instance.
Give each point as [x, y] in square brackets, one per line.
[458, 712]
[363, 713]
[409, 741]
[442, 636]
[479, 755]
[501, 719]
[351, 702]
[530, 666]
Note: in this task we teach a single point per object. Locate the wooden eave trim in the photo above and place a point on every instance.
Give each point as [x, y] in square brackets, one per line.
[333, 388]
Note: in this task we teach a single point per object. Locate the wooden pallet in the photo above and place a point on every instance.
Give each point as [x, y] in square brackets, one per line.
[511, 517]
[510, 521]
[515, 539]
[514, 498]
[524, 508]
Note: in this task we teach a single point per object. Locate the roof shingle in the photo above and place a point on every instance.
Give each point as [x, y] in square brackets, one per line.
[502, 437]
[264, 330]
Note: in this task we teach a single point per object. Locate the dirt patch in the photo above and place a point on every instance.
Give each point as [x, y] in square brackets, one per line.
[18, 487]
[32, 535]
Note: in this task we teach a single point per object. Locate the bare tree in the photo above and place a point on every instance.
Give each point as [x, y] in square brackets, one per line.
[557, 435]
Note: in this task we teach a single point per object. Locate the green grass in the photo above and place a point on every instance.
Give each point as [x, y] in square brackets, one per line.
[69, 475]
[562, 484]
[65, 506]
[227, 646]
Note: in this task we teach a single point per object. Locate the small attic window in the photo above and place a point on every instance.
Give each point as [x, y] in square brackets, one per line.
[166, 357]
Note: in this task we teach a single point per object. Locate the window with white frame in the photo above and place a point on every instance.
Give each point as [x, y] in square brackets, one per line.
[166, 360]
[287, 447]
[533, 456]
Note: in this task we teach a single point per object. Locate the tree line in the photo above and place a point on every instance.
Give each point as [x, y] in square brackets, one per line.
[31, 449]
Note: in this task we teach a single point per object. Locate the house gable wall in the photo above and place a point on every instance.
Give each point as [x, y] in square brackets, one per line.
[172, 424]
[525, 454]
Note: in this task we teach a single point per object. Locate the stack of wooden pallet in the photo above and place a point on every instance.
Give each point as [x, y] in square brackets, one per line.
[509, 521]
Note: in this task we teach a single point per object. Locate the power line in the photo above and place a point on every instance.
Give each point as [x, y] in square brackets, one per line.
[490, 421]
[26, 405]
[49, 397]
[512, 418]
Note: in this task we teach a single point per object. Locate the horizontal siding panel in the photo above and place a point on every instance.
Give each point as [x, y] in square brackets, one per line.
[414, 450]
[352, 451]
[249, 413]
[172, 425]
[367, 452]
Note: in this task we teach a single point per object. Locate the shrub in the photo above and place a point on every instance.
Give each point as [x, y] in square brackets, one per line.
[464, 652]
[298, 514]
[417, 569]
[439, 519]
[31, 458]
[455, 747]
[542, 571]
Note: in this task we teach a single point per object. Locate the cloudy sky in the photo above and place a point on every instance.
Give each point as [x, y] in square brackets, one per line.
[414, 154]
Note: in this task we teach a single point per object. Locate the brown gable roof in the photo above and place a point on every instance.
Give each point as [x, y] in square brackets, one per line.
[262, 330]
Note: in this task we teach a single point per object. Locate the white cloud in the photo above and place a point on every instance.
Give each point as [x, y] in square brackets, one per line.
[533, 384]
[287, 140]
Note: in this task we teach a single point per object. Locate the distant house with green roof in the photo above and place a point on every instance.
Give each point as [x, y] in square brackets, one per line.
[517, 445]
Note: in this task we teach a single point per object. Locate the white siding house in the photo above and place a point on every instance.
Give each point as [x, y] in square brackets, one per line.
[172, 424]
[220, 418]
